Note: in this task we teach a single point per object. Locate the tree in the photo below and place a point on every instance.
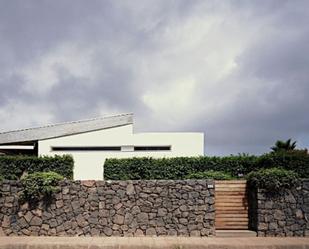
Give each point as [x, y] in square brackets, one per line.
[287, 145]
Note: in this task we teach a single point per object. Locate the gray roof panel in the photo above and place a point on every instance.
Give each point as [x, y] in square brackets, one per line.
[65, 129]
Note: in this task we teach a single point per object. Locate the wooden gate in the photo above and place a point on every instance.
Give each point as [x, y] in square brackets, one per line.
[231, 205]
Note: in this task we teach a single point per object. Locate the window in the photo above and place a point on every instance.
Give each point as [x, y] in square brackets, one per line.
[88, 148]
[126, 148]
[152, 148]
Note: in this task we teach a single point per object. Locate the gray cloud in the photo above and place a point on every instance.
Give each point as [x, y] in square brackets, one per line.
[274, 101]
[236, 70]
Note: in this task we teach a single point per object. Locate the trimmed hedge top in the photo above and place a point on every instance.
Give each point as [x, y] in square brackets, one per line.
[174, 168]
[13, 167]
[180, 167]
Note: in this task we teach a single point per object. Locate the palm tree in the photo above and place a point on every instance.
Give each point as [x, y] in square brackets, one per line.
[284, 146]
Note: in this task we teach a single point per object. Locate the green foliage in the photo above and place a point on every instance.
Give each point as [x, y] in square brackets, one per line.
[13, 167]
[296, 160]
[273, 179]
[175, 168]
[40, 186]
[180, 167]
[211, 174]
[284, 146]
[1, 178]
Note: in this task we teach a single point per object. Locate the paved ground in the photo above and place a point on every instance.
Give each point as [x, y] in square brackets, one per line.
[150, 243]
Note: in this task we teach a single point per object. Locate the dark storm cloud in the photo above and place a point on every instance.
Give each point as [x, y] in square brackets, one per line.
[236, 70]
[76, 98]
[31, 29]
[274, 103]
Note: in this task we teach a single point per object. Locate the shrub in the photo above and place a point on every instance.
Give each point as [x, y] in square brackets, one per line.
[180, 167]
[1, 178]
[211, 174]
[13, 167]
[175, 168]
[40, 186]
[273, 179]
[296, 160]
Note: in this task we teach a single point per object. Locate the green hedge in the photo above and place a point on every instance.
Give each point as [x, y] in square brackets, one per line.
[273, 179]
[175, 168]
[179, 168]
[296, 160]
[13, 167]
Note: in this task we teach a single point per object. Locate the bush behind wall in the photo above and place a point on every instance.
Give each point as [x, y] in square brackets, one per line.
[174, 168]
[179, 168]
[273, 179]
[296, 160]
[13, 167]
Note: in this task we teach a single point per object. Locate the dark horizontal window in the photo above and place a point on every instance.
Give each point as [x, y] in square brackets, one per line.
[89, 148]
[152, 148]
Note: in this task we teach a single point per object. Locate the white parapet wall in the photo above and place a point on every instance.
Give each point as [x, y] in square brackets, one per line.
[91, 149]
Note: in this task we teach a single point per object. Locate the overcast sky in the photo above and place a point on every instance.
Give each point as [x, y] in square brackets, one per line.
[236, 70]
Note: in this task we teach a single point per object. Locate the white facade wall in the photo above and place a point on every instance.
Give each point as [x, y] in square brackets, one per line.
[89, 164]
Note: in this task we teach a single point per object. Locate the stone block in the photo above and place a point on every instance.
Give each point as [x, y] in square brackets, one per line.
[28, 216]
[75, 205]
[53, 223]
[118, 219]
[107, 231]
[273, 226]
[279, 215]
[289, 198]
[162, 212]
[128, 218]
[45, 227]
[6, 188]
[269, 204]
[130, 190]
[6, 222]
[59, 203]
[139, 233]
[263, 226]
[65, 190]
[299, 214]
[22, 222]
[94, 232]
[142, 218]
[118, 206]
[88, 183]
[151, 232]
[81, 221]
[36, 221]
[161, 231]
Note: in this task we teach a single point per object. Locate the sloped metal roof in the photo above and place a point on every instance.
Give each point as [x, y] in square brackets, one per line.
[64, 129]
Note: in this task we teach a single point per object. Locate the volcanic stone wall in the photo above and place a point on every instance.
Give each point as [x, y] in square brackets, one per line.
[284, 213]
[116, 208]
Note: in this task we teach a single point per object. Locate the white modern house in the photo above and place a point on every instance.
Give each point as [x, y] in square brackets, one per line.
[91, 141]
